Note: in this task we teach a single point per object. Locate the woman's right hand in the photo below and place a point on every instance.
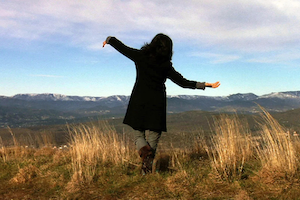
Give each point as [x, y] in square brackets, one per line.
[104, 43]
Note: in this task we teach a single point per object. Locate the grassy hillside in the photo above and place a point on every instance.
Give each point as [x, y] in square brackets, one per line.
[289, 119]
[98, 161]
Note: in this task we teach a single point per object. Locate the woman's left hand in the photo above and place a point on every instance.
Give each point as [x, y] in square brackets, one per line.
[213, 85]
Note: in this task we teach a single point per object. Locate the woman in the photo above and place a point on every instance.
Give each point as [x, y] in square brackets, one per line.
[147, 105]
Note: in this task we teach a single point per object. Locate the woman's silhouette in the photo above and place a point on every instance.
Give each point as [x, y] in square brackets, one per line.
[147, 105]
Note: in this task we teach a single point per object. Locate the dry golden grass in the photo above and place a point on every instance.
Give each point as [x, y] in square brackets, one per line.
[14, 151]
[101, 164]
[277, 152]
[229, 147]
[43, 139]
[25, 174]
[23, 146]
[91, 145]
[232, 145]
[3, 151]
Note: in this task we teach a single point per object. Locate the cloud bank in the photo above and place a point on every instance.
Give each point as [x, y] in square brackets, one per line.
[233, 25]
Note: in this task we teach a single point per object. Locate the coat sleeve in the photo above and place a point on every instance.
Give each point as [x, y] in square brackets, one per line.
[129, 52]
[177, 78]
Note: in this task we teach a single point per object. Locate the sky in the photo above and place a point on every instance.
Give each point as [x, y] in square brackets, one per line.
[55, 46]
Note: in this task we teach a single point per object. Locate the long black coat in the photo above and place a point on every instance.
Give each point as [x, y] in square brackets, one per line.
[147, 105]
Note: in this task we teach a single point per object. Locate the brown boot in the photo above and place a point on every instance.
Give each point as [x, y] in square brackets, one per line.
[146, 153]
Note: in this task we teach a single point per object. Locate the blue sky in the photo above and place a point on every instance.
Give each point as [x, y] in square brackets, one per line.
[55, 46]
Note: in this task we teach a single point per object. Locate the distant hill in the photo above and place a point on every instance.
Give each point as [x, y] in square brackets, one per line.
[41, 109]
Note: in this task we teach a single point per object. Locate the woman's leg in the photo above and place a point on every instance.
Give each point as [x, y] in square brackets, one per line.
[140, 139]
[153, 139]
[144, 150]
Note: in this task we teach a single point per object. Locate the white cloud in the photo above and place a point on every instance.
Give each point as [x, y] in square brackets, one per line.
[249, 26]
[277, 58]
[216, 58]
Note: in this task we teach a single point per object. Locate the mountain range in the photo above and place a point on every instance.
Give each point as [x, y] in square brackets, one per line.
[39, 109]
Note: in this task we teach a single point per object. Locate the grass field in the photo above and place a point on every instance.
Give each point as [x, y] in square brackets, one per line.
[98, 161]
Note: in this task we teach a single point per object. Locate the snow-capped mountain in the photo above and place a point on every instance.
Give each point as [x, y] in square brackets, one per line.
[243, 97]
[123, 98]
[274, 101]
[60, 97]
[232, 97]
[282, 95]
[34, 108]
[110, 101]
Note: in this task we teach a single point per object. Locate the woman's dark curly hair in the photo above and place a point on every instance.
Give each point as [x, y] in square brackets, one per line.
[160, 48]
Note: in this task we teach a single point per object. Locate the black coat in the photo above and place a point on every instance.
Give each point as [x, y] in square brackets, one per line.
[147, 105]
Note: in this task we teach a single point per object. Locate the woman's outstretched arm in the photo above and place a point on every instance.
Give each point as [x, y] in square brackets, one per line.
[129, 52]
[177, 78]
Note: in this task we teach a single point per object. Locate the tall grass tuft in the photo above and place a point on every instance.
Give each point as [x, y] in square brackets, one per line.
[229, 147]
[21, 146]
[3, 151]
[277, 151]
[16, 149]
[91, 145]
